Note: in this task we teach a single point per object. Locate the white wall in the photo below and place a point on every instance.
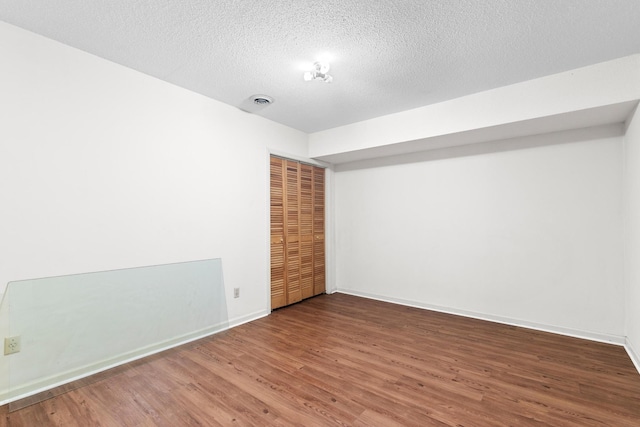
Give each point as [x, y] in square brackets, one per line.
[102, 167]
[632, 234]
[530, 236]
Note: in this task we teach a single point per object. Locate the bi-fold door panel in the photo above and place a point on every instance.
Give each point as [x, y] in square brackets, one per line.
[318, 232]
[278, 296]
[292, 232]
[306, 230]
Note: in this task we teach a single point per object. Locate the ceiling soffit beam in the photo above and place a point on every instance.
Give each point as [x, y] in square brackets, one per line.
[588, 96]
[592, 117]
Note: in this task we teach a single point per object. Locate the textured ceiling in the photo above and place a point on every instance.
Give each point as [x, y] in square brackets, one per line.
[388, 55]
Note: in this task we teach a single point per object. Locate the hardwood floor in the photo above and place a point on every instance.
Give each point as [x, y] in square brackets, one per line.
[342, 360]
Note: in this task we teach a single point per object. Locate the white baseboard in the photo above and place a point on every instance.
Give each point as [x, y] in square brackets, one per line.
[592, 336]
[633, 354]
[248, 318]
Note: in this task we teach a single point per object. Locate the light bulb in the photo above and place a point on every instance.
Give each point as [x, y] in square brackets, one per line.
[319, 72]
[322, 67]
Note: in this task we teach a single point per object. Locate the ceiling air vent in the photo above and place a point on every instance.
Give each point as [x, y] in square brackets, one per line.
[262, 100]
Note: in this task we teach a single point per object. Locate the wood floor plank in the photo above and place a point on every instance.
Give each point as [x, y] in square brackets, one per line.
[340, 360]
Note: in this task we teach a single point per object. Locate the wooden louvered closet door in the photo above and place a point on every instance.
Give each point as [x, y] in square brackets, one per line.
[297, 232]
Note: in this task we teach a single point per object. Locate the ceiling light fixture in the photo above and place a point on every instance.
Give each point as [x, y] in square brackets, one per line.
[319, 72]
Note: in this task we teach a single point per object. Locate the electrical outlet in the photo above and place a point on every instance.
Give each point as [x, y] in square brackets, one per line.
[11, 345]
[236, 292]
